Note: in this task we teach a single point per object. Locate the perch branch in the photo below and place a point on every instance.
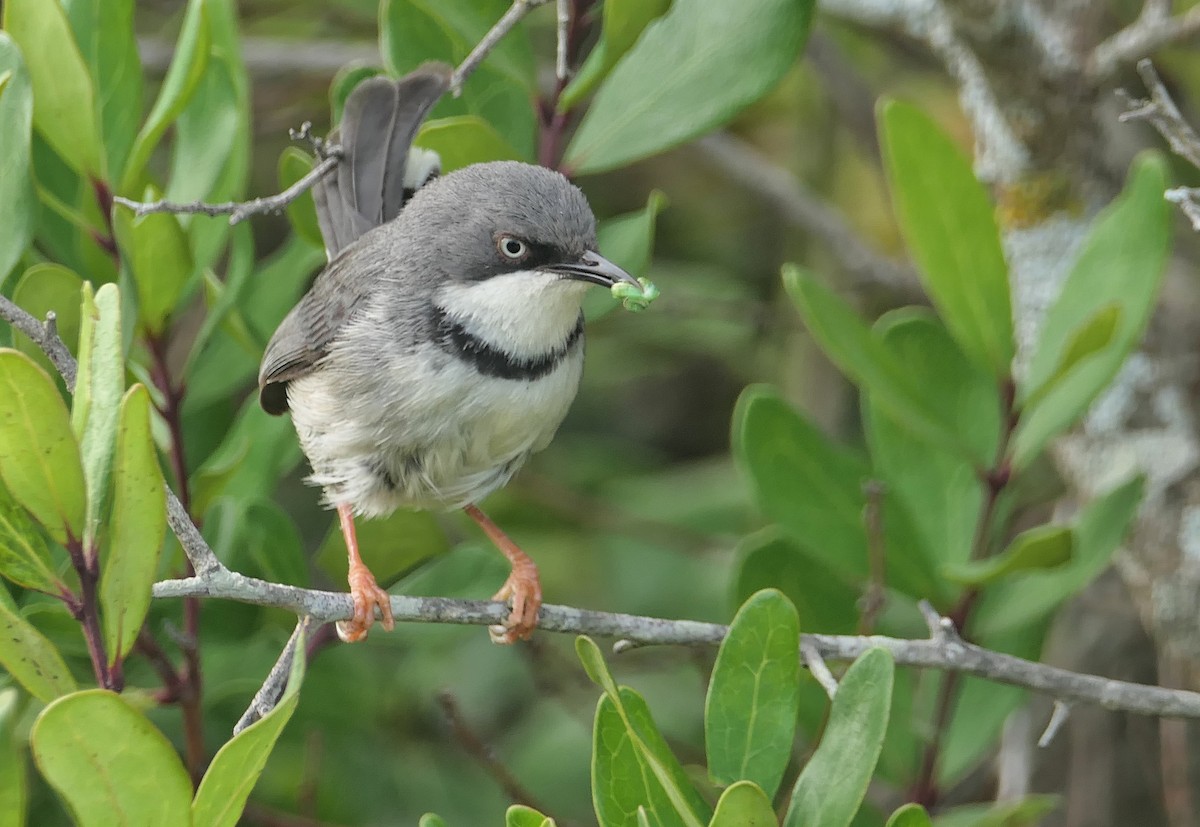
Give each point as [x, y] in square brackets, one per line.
[944, 650]
[819, 669]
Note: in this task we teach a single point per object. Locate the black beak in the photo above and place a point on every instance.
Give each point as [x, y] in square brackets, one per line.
[594, 268]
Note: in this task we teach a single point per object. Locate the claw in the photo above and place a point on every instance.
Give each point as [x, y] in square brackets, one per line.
[523, 591]
[367, 596]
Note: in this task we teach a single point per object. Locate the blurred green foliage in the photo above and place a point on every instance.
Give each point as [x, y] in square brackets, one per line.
[648, 501]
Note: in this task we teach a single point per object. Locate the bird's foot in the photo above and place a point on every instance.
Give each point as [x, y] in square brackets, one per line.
[523, 591]
[367, 595]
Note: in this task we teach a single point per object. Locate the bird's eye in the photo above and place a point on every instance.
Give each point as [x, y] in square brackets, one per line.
[511, 248]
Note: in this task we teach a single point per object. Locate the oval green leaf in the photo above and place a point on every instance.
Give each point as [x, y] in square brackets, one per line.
[833, 782]
[42, 289]
[39, 459]
[16, 182]
[239, 763]
[869, 363]
[948, 222]
[593, 664]
[633, 767]
[518, 815]
[622, 24]
[139, 521]
[744, 805]
[98, 388]
[1122, 263]
[663, 91]
[463, 140]
[160, 261]
[1042, 547]
[750, 711]
[109, 763]
[24, 557]
[910, 815]
[31, 659]
[107, 42]
[63, 97]
[294, 164]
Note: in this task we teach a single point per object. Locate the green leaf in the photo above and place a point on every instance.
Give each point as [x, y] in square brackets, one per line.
[623, 23]
[139, 521]
[1122, 264]
[1043, 547]
[63, 97]
[948, 222]
[518, 815]
[593, 664]
[869, 363]
[39, 459]
[464, 140]
[1030, 597]
[258, 538]
[432, 820]
[744, 804]
[24, 557]
[44, 288]
[31, 659]
[1025, 812]
[910, 815]
[16, 182]
[833, 782]
[14, 784]
[159, 259]
[98, 388]
[632, 767]
[1093, 336]
[294, 164]
[109, 763]
[183, 76]
[801, 479]
[238, 764]
[750, 711]
[105, 33]
[662, 92]
[824, 600]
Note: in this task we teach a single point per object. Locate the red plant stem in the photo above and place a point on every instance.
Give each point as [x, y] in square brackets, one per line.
[925, 790]
[191, 679]
[86, 611]
[552, 122]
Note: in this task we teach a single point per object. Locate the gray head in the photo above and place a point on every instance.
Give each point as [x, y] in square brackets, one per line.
[503, 217]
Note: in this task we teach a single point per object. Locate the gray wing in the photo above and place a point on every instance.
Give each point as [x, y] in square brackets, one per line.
[304, 336]
[379, 123]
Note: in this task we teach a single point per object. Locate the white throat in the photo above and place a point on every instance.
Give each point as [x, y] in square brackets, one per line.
[525, 313]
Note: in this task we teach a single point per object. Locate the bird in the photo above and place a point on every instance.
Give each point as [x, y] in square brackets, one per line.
[443, 342]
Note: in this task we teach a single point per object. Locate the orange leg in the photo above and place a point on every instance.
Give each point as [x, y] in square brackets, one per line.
[364, 590]
[522, 588]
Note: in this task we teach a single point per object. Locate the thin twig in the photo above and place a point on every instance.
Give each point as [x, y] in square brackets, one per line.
[239, 211]
[817, 666]
[874, 597]
[1062, 711]
[503, 26]
[268, 695]
[1153, 29]
[560, 50]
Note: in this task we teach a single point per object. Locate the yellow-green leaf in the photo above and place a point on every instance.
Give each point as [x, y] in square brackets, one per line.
[139, 520]
[28, 656]
[39, 458]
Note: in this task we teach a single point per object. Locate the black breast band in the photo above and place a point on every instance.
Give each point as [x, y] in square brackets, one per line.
[490, 360]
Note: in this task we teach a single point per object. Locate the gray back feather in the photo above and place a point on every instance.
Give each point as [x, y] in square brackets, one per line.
[366, 190]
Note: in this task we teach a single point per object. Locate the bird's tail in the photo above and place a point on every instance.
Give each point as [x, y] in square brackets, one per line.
[380, 168]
